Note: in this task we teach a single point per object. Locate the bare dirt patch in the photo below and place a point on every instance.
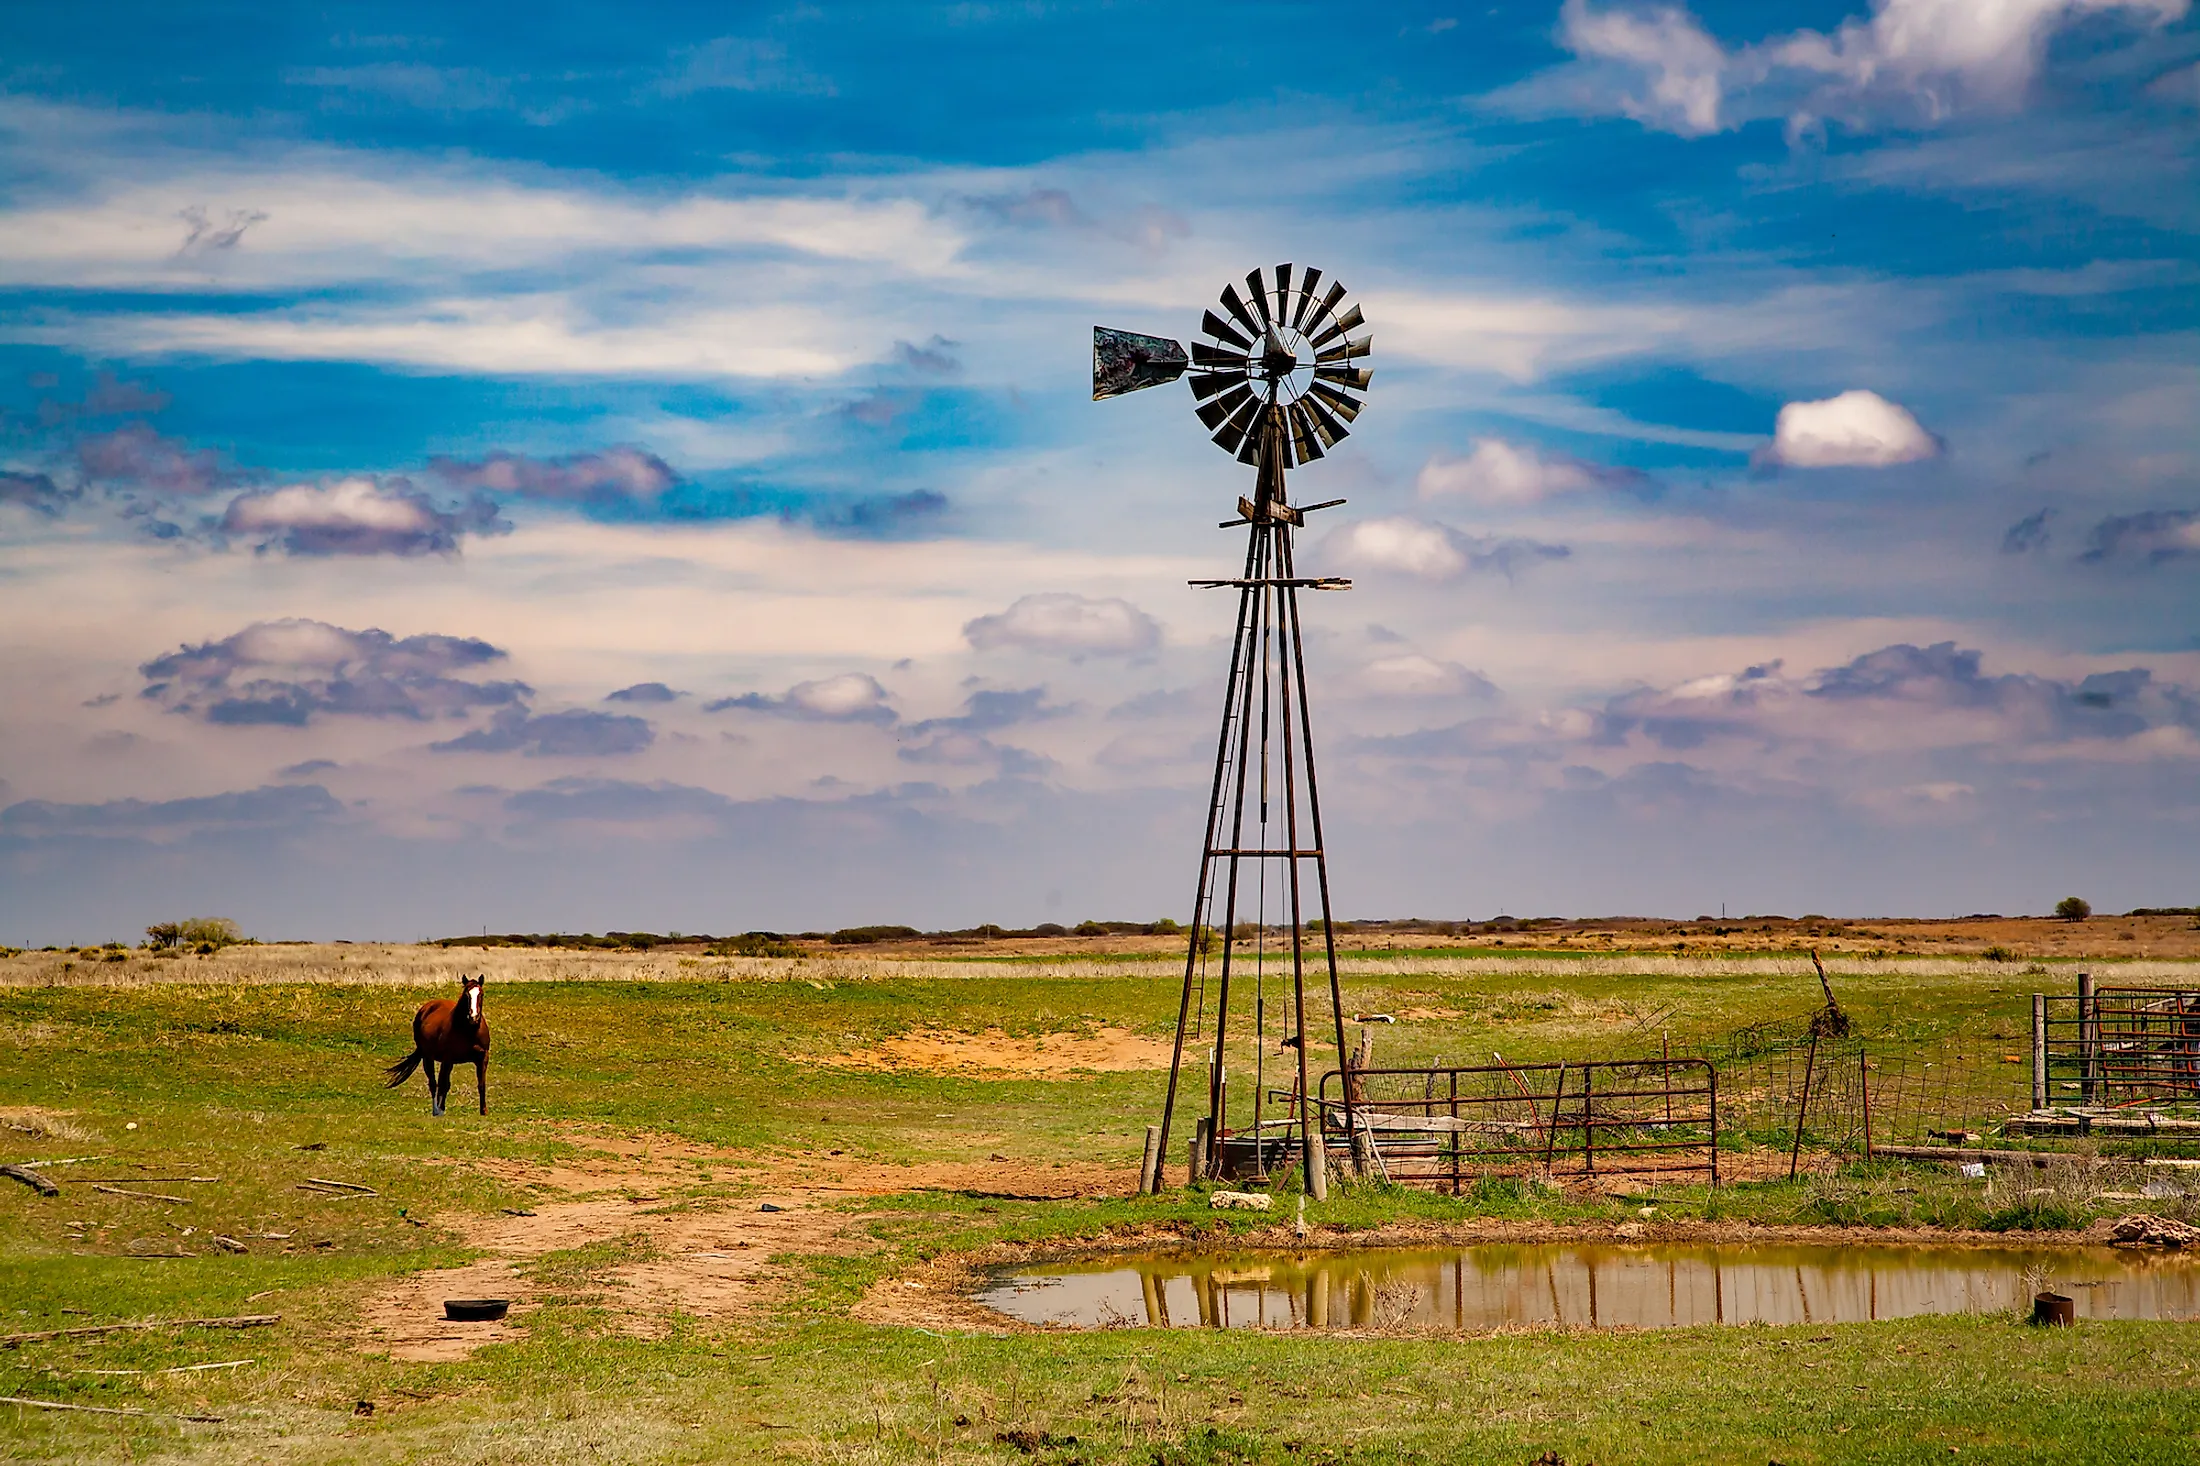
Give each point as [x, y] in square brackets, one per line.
[707, 1257]
[938, 1051]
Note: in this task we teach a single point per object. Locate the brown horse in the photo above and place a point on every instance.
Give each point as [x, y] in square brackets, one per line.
[448, 1031]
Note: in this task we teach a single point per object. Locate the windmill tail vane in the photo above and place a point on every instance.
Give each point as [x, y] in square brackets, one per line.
[1275, 383]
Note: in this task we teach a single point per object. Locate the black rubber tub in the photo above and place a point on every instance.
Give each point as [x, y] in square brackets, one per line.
[475, 1310]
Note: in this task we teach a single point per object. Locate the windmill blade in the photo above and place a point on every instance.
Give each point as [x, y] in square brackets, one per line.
[1220, 329]
[1355, 377]
[1258, 293]
[1347, 407]
[1329, 303]
[1283, 292]
[1214, 358]
[1326, 427]
[1214, 414]
[1206, 386]
[1346, 350]
[1236, 307]
[1302, 433]
[1125, 361]
[1351, 320]
[1307, 282]
[1231, 436]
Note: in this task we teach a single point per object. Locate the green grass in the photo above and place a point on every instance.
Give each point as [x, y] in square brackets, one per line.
[231, 1082]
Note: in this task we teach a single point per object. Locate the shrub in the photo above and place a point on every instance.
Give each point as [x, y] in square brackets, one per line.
[1999, 954]
[1166, 927]
[755, 944]
[215, 932]
[864, 936]
[1089, 929]
[2073, 908]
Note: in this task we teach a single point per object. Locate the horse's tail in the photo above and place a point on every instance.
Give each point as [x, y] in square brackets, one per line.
[402, 1070]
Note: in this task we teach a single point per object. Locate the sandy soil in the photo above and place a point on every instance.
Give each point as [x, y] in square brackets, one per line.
[1105, 1050]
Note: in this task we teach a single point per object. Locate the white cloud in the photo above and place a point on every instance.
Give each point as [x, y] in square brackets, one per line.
[850, 695]
[1429, 551]
[1494, 471]
[1856, 429]
[1410, 674]
[1681, 64]
[354, 516]
[1910, 61]
[1065, 624]
[1412, 546]
[1941, 54]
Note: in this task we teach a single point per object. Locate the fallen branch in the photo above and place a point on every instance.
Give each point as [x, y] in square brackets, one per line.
[146, 1180]
[71, 1160]
[178, 1369]
[31, 1179]
[239, 1321]
[140, 1195]
[352, 1187]
[105, 1410]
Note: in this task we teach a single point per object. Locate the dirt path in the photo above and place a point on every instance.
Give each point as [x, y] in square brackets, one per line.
[708, 1259]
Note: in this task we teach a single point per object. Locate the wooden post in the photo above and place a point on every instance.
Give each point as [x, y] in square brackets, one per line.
[1197, 1161]
[2039, 1051]
[1149, 1168]
[1355, 1088]
[1317, 1161]
[1810, 1062]
[2089, 1035]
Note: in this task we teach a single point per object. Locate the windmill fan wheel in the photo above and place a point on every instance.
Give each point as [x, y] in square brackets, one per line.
[1280, 361]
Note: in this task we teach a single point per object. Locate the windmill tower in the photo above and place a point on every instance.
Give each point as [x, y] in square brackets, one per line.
[1274, 382]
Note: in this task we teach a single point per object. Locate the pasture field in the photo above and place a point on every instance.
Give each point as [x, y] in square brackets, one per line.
[911, 1122]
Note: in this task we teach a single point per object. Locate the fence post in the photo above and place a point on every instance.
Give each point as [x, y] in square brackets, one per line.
[1457, 1143]
[1810, 1062]
[1588, 1121]
[1711, 1085]
[2089, 1037]
[1864, 1094]
[2039, 1051]
[1149, 1166]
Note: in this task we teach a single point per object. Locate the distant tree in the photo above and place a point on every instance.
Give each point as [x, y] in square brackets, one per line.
[163, 934]
[208, 933]
[2073, 908]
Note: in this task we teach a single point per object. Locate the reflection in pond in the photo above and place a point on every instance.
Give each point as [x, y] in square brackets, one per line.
[1594, 1285]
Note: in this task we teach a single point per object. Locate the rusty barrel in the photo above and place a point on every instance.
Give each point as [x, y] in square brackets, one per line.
[2054, 1309]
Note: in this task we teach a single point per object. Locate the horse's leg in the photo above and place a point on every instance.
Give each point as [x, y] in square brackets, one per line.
[442, 1085]
[427, 1067]
[481, 1082]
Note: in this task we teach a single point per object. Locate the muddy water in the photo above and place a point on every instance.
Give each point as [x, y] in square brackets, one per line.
[1598, 1286]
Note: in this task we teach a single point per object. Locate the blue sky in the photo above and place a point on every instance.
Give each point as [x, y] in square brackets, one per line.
[633, 466]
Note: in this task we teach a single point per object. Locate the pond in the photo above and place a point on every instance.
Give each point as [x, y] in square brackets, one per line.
[1651, 1285]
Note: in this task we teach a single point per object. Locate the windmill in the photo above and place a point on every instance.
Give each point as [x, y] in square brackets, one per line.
[1275, 384]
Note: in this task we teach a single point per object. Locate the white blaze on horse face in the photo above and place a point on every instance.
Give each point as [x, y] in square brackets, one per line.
[473, 1002]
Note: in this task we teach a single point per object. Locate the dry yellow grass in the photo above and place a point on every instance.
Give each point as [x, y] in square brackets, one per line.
[407, 965]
